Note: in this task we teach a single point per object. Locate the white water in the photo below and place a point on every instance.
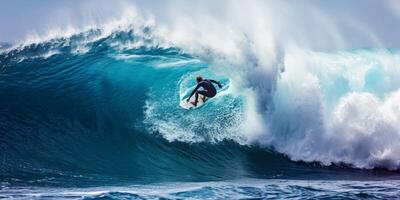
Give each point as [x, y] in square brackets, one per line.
[331, 107]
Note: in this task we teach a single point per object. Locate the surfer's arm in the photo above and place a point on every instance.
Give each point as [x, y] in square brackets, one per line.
[216, 82]
[195, 89]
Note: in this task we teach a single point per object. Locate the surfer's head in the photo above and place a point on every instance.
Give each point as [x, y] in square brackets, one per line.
[199, 79]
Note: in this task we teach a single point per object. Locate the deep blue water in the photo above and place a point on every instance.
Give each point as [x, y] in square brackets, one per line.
[93, 119]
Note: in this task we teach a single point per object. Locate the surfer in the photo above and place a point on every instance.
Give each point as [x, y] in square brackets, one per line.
[204, 87]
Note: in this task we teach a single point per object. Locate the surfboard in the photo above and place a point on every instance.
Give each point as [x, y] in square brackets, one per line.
[189, 104]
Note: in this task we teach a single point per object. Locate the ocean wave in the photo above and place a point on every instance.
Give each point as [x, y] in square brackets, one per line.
[94, 100]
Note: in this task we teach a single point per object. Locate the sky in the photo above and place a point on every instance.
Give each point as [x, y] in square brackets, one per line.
[21, 18]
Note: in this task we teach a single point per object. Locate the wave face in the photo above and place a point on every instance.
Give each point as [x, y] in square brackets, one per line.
[105, 107]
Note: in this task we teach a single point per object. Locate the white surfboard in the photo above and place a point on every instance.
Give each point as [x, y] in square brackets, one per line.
[190, 104]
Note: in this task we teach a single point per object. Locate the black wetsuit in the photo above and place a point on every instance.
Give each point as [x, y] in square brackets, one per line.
[208, 89]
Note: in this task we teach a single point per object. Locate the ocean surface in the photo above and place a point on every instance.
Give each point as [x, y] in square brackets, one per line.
[96, 115]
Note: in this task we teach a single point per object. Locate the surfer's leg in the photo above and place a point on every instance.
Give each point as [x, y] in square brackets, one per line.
[204, 93]
[196, 98]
